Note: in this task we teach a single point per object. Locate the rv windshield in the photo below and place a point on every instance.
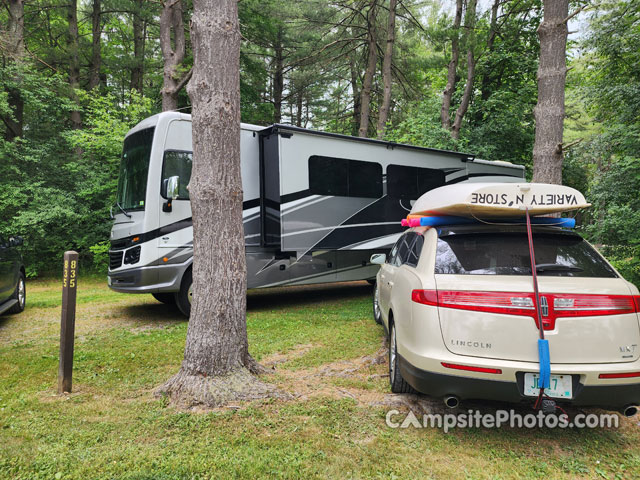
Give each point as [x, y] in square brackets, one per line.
[134, 166]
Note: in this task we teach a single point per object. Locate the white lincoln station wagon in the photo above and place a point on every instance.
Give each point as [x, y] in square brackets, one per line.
[458, 305]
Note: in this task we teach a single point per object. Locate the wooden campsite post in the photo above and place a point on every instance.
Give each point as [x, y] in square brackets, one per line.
[67, 321]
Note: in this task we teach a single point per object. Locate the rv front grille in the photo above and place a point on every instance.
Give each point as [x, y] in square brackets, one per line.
[115, 260]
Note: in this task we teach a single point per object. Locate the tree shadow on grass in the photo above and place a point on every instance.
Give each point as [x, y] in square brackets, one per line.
[269, 298]
[153, 312]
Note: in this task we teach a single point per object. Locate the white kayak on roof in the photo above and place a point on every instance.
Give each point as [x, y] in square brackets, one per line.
[498, 200]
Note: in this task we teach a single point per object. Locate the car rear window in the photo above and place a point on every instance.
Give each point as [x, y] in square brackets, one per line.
[507, 253]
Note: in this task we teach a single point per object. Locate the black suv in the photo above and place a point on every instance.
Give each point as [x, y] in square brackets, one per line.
[13, 292]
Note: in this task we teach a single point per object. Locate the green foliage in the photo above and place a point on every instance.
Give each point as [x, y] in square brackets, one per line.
[100, 253]
[59, 183]
[608, 83]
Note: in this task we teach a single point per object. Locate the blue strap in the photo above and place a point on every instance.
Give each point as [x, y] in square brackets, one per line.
[545, 363]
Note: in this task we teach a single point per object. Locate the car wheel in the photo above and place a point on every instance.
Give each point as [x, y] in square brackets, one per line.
[377, 314]
[183, 297]
[20, 294]
[168, 298]
[398, 384]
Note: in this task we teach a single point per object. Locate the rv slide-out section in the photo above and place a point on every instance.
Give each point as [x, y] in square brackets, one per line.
[315, 205]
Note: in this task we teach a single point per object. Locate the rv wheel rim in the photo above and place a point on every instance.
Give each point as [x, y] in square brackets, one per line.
[392, 355]
[190, 293]
[376, 305]
[21, 292]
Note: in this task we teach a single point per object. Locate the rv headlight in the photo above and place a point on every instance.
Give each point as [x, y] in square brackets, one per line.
[132, 255]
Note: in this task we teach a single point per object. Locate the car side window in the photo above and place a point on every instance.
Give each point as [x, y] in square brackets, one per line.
[394, 251]
[415, 250]
[403, 249]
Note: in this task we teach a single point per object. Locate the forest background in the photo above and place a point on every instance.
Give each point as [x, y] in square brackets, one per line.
[77, 75]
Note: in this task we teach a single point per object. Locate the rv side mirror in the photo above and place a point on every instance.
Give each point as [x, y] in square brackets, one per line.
[378, 258]
[173, 187]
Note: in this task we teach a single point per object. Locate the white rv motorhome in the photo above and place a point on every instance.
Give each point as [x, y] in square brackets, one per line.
[316, 205]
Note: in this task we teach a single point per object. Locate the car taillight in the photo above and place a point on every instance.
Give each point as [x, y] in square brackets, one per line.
[571, 305]
[511, 303]
[426, 297]
[552, 305]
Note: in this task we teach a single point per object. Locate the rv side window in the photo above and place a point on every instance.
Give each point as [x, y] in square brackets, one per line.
[344, 178]
[177, 164]
[411, 182]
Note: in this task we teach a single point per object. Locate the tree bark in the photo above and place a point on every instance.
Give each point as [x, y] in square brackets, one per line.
[491, 38]
[15, 50]
[172, 54]
[137, 69]
[216, 365]
[383, 115]
[96, 57]
[470, 25]
[372, 61]
[549, 112]
[447, 94]
[299, 103]
[74, 60]
[355, 92]
[278, 78]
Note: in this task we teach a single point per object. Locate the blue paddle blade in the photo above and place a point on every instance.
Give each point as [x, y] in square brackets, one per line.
[545, 363]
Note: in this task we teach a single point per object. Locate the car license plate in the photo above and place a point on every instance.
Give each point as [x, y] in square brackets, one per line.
[560, 386]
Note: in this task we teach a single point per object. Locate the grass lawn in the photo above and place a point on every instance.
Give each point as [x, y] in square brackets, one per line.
[324, 350]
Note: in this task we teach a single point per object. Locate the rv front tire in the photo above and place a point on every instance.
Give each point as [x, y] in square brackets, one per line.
[183, 297]
[168, 298]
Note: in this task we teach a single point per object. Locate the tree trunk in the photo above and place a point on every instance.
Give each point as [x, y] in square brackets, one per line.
[372, 60]
[491, 38]
[445, 119]
[216, 365]
[355, 92]
[299, 103]
[549, 112]
[470, 25]
[172, 54]
[383, 115]
[15, 51]
[137, 70]
[278, 78]
[96, 58]
[74, 61]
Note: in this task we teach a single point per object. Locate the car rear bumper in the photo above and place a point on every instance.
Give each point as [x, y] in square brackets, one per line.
[439, 384]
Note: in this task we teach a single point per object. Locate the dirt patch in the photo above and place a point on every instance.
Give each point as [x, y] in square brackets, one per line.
[362, 379]
[271, 361]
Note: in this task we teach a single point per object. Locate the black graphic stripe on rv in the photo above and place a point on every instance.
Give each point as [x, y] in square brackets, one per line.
[127, 242]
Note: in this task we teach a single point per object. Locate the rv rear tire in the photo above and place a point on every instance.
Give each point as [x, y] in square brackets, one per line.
[183, 297]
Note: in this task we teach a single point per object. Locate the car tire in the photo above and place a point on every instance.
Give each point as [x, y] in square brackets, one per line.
[183, 297]
[20, 294]
[398, 384]
[377, 313]
[167, 298]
